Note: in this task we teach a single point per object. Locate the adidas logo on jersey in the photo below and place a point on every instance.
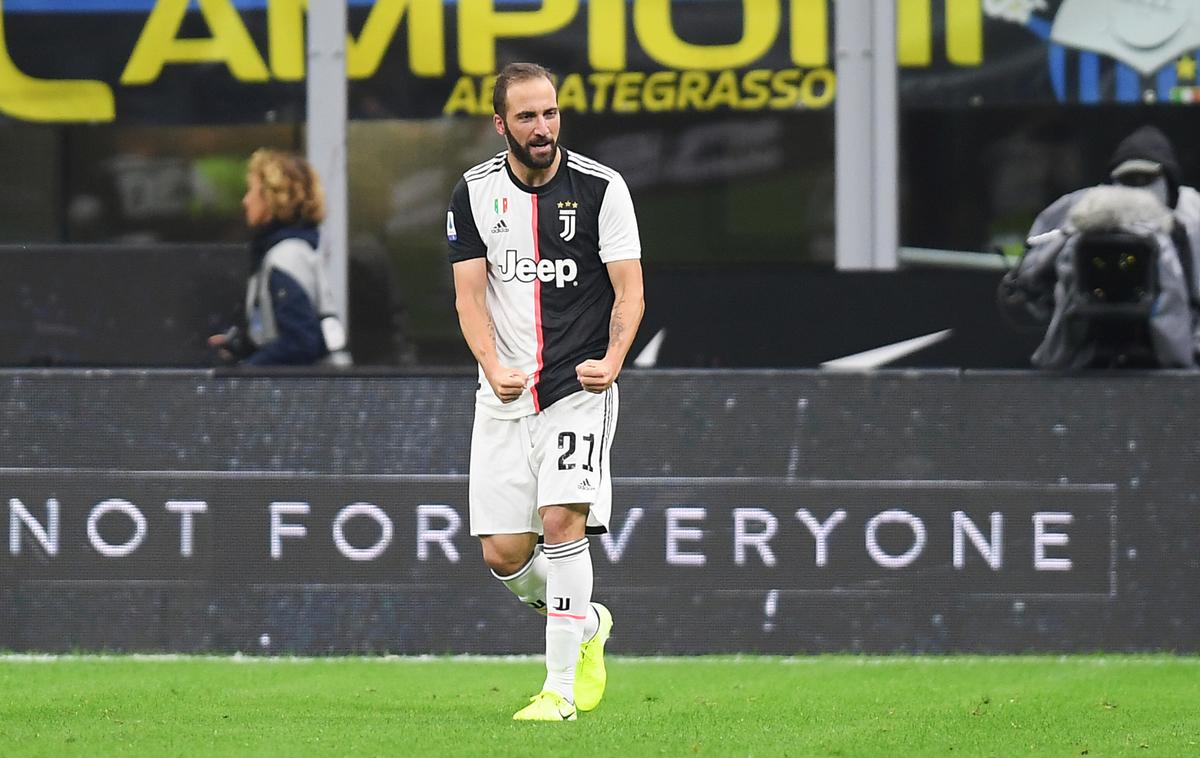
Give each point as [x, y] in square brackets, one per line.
[561, 272]
[500, 227]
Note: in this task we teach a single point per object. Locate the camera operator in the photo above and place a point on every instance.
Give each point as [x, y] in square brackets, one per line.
[1145, 312]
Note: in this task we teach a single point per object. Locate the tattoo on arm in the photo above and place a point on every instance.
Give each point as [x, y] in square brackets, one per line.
[616, 328]
[489, 337]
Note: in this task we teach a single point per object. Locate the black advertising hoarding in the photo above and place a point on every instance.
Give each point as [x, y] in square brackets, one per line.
[221, 61]
[754, 511]
[731, 533]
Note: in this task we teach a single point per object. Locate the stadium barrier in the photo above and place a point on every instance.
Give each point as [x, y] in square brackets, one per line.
[755, 511]
[118, 305]
[154, 306]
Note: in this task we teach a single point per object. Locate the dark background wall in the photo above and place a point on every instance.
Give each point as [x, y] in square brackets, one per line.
[138, 514]
[154, 305]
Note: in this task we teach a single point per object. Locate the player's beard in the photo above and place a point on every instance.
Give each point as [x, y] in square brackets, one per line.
[526, 157]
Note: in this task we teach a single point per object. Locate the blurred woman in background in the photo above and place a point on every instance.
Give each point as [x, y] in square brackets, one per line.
[286, 294]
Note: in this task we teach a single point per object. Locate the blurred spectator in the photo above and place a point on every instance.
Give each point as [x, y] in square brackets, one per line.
[287, 321]
[1110, 271]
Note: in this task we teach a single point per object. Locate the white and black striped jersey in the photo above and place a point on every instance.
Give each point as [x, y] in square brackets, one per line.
[549, 293]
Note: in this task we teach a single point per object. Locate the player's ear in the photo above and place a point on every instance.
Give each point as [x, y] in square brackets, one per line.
[498, 122]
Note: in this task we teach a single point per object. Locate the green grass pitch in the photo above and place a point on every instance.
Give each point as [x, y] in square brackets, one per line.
[717, 706]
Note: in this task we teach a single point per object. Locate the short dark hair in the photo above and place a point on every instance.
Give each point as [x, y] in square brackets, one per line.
[511, 74]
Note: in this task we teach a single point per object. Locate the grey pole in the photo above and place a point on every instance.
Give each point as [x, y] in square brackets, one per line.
[866, 115]
[326, 116]
[885, 120]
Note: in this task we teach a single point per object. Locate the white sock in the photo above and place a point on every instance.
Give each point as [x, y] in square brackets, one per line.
[592, 625]
[529, 585]
[529, 582]
[568, 607]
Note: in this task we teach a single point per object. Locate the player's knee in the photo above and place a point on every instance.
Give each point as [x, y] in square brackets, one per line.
[504, 562]
[564, 523]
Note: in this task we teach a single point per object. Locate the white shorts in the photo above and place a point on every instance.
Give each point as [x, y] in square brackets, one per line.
[557, 457]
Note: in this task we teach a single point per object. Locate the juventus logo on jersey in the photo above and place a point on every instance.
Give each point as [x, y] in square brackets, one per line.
[566, 214]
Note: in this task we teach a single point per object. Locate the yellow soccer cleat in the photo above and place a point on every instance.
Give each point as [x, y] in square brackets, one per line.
[546, 706]
[590, 675]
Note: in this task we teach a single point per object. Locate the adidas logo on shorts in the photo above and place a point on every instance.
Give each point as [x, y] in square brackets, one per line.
[586, 485]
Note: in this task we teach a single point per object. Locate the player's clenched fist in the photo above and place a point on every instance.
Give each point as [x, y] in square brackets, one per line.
[507, 383]
[596, 376]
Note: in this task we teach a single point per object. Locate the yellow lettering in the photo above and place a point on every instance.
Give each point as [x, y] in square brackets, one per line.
[285, 38]
[487, 87]
[159, 43]
[786, 85]
[629, 92]
[818, 88]
[480, 24]
[659, 93]
[724, 91]
[31, 99]
[656, 33]
[572, 96]
[426, 38]
[463, 98]
[914, 32]
[692, 86]
[964, 32]
[625, 95]
[755, 83]
[606, 35]
[810, 32]
[601, 81]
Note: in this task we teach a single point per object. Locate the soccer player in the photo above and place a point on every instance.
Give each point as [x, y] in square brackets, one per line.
[548, 287]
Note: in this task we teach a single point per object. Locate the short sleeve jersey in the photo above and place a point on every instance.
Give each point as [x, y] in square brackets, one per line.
[548, 291]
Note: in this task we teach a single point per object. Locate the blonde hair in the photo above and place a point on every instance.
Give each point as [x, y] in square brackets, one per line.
[290, 186]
